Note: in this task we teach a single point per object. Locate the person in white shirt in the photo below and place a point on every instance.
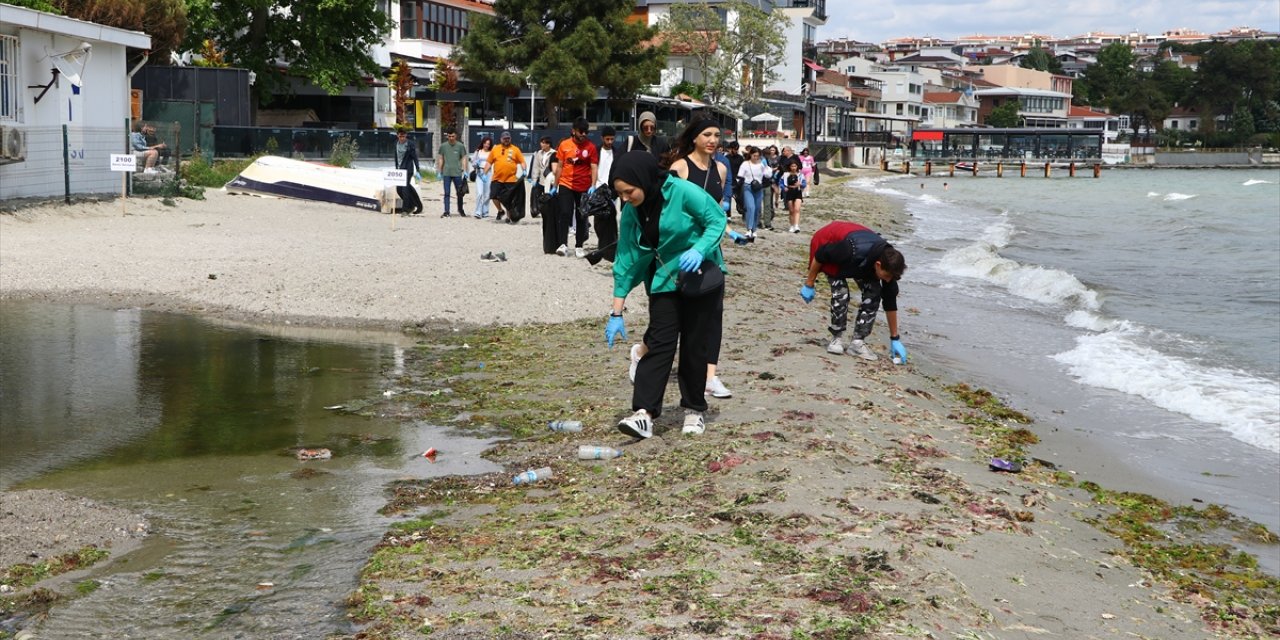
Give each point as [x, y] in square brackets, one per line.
[755, 178]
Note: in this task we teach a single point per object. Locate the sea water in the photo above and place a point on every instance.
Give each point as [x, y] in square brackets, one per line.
[1143, 308]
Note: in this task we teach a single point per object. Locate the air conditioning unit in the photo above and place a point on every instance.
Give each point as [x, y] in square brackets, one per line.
[13, 145]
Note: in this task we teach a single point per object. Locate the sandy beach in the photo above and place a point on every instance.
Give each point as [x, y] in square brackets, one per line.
[830, 498]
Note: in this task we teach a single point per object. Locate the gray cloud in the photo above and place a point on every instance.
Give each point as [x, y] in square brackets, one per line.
[877, 22]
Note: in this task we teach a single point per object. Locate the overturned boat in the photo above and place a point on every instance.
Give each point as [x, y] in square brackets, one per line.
[285, 178]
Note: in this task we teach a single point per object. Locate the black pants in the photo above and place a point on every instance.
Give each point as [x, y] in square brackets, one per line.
[676, 320]
[607, 235]
[409, 199]
[567, 201]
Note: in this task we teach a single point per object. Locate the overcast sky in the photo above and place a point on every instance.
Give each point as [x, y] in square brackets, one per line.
[880, 21]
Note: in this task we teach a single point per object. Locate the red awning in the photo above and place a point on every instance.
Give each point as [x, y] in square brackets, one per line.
[926, 135]
[813, 65]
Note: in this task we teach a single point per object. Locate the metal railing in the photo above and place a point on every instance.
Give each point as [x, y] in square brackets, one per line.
[312, 144]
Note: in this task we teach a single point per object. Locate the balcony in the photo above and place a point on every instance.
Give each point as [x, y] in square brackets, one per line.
[819, 6]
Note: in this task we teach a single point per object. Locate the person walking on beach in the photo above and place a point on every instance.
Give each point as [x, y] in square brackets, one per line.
[577, 166]
[480, 167]
[648, 139]
[605, 219]
[407, 159]
[792, 185]
[506, 168]
[452, 163]
[541, 173]
[693, 159]
[736, 160]
[769, 201]
[844, 250]
[753, 174]
[669, 226]
[807, 166]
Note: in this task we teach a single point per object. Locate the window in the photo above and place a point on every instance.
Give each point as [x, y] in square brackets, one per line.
[10, 96]
[424, 20]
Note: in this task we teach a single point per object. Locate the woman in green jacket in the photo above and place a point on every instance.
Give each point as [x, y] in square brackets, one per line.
[668, 226]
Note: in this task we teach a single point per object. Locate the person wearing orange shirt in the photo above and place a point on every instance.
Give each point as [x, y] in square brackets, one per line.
[578, 163]
[506, 168]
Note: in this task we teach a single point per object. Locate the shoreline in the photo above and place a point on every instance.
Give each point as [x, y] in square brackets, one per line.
[906, 415]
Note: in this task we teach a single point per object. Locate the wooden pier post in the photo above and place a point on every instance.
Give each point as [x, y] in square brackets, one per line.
[1046, 169]
[884, 164]
[953, 169]
[1071, 169]
[1097, 170]
[975, 168]
[928, 168]
[1024, 168]
[999, 169]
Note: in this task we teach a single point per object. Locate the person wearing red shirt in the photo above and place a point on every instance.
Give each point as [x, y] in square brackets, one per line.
[578, 162]
[845, 250]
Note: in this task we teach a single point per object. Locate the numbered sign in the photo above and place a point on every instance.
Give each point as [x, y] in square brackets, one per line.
[124, 162]
[395, 176]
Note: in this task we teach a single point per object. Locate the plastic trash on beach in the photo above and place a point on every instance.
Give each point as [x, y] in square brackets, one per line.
[565, 425]
[533, 475]
[1008, 466]
[430, 454]
[593, 452]
[314, 454]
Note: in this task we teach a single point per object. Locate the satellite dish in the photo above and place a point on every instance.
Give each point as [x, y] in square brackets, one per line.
[70, 64]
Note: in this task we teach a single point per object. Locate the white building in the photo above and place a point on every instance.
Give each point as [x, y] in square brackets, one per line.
[58, 72]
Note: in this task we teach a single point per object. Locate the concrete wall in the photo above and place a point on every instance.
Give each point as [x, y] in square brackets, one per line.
[1234, 158]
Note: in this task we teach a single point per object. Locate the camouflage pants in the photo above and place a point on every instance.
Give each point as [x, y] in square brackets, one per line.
[866, 310]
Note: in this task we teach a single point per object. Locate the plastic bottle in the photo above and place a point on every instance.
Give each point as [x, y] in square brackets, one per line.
[533, 475]
[592, 452]
[897, 360]
[564, 425]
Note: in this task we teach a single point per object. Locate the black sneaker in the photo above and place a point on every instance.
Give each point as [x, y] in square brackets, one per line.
[637, 425]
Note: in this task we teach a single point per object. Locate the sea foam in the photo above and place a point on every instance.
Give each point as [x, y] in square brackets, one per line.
[1250, 183]
[1241, 404]
[1050, 286]
[1179, 196]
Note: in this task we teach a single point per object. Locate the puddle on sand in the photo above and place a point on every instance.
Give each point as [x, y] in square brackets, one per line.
[191, 423]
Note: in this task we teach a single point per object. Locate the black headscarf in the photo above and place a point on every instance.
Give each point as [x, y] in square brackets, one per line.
[640, 169]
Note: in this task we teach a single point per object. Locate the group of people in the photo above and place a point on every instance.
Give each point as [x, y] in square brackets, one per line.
[676, 200]
[677, 196]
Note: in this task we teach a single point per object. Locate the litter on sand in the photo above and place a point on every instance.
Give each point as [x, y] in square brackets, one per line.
[314, 454]
[1000, 464]
[490, 256]
[430, 454]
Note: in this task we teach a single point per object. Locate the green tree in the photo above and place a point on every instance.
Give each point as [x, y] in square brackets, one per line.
[326, 42]
[1240, 76]
[1175, 81]
[1040, 60]
[1146, 104]
[1005, 115]
[735, 63]
[164, 20]
[567, 47]
[1106, 82]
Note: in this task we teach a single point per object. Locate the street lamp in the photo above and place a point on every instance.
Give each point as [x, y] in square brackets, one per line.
[533, 91]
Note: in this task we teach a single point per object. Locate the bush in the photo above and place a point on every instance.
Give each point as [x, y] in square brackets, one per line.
[345, 150]
[201, 173]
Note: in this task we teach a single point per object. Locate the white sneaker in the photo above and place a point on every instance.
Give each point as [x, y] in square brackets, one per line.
[150, 170]
[637, 425]
[580, 252]
[635, 362]
[836, 346]
[860, 349]
[562, 250]
[795, 229]
[716, 389]
[694, 425]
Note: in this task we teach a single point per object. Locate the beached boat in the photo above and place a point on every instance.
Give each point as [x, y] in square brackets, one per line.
[285, 178]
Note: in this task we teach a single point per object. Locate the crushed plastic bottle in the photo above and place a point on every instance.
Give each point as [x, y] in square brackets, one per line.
[565, 425]
[533, 475]
[897, 360]
[592, 452]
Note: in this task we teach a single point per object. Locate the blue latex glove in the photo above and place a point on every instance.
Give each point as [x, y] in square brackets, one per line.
[807, 292]
[898, 351]
[737, 238]
[614, 329]
[690, 260]
[591, 190]
[725, 205]
[553, 190]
